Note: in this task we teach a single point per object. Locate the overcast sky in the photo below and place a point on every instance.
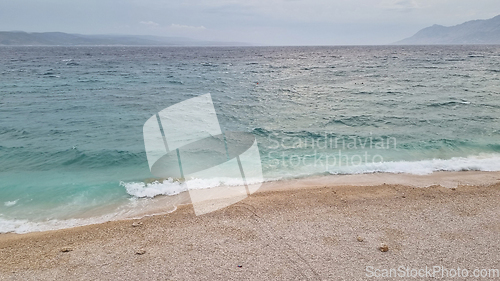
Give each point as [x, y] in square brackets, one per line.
[266, 22]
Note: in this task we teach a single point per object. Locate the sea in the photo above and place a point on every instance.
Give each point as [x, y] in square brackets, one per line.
[71, 118]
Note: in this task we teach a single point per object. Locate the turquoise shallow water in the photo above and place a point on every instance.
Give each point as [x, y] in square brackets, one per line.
[71, 117]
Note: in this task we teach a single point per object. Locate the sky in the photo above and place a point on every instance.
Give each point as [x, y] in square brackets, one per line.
[259, 22]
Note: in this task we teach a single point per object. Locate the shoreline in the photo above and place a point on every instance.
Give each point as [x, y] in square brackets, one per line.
[305, 230]
[165, 204]
[448, 179]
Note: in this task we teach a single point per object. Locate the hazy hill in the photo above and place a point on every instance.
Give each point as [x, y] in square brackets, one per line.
[471, 32]
[20, 38]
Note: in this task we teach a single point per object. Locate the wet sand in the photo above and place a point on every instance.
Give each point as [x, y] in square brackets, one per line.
[327, 228]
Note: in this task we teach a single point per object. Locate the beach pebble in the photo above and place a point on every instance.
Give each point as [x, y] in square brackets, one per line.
[140, 252]
[383, 248]
[360, 239]
[66, 249]
[137, 223]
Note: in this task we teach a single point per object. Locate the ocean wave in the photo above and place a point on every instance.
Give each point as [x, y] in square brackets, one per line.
[131, 209]
[487, 163]
[42, 160]
[26, 226]
[449, 103]
[166, 187]
[21, 226]
[10, 203]
[171, 187]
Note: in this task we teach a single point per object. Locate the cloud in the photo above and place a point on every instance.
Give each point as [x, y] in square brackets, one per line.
[173, 27]
[400, 5]
[149, 23]
[187, 27]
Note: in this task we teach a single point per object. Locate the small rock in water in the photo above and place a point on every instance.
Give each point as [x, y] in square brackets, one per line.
[383, 248]
[360, 239]
[140, 252]
[136, 224]
[66, 249]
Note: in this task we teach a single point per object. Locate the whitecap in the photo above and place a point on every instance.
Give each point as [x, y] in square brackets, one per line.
[10, 203]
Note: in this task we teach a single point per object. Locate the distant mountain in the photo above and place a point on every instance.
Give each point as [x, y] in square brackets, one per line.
[20, 38]
[471, 32]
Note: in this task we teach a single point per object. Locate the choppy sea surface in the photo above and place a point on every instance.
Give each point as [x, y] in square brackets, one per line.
[71, 118]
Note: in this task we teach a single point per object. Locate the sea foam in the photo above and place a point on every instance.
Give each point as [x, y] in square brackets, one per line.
[171, 187]
[484, 162]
